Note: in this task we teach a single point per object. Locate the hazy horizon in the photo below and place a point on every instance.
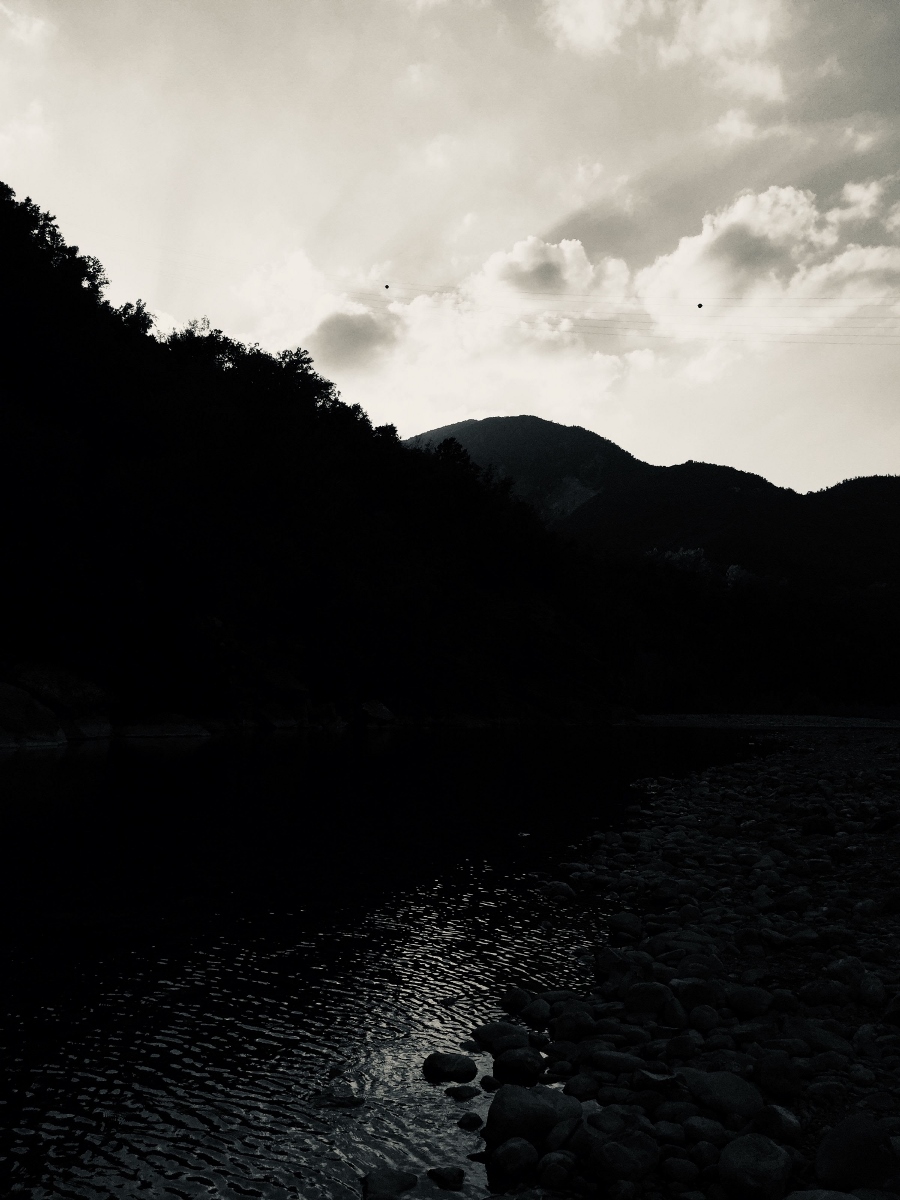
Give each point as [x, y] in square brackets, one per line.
[549, 188]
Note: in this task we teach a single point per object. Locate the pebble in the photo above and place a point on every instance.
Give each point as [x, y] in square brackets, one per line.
[741, 1038]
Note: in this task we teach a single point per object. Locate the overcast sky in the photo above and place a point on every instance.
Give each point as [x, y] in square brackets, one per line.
[549, 188]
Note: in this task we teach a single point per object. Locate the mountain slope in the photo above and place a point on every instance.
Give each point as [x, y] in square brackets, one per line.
[554, 467]
[845, 536]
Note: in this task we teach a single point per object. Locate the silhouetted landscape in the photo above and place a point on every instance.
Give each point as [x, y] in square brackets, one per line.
[205, 529]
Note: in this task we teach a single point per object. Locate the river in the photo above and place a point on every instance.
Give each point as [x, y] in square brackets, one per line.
[225, 962]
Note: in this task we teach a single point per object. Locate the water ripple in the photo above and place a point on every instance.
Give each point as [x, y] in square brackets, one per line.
[229, 1070]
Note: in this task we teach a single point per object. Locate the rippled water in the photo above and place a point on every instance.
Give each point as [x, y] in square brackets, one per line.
[218, 1055]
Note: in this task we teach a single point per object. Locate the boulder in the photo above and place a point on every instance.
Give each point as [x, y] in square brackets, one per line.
[625, 922]
[523, 1065]
[556, 1168]
[723, 1092]
[456, 1067]
[753, 1166]
[855, 1153]
[448, 1179]
[494, 1032]
[631, 1156]
[520, 1112]
[513, 1159]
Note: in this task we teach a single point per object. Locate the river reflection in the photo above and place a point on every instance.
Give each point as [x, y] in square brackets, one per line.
[213, 959]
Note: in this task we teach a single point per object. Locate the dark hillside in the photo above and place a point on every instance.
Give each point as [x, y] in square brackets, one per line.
[554, 467]
[197, 525]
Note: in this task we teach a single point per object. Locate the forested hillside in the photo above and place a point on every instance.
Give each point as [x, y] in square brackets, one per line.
[196, 524]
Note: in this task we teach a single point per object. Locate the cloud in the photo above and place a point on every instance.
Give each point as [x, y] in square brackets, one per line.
[25, 29]
[772, 264]
[729, 37]
[590, 27]
[350, 339]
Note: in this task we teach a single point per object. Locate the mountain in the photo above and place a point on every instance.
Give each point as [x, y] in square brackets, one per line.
[847, 535]
[554, 467]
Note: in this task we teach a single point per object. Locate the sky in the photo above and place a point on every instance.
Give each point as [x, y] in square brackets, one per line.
[674, 222]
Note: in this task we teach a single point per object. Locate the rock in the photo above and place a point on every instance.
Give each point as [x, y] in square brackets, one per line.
[582, 1087]
[557, 890]
[753, 1166]
[777, 1074]
[494, 1033]
[614, 1061]
[514, 999]
[514, 1158]
[824, 991]
[387, 1181]
[647, 997]
[871, 990]
[623, 1190]
[631, 1156]
[892, 1013]
[625, 922]
[30, 723]
[819, 1194]
[536, 1013]
[847, 970]
[448, 1179]
[705, 1129]
[855, 1153]
[470, 1121]
[523, 1065]
[466, 1092]
[572, 1026]
[778, 1123]
[520, 1112]
[704, 1018]
[749, 1001]
[555, 1169]
[723, 1092]
[458, 1067]
[692, 992]
[681, 1170]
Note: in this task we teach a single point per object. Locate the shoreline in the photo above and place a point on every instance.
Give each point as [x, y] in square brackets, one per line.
[741, 1040]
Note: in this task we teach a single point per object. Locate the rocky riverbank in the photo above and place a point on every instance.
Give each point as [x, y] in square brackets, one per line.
[741, 1040]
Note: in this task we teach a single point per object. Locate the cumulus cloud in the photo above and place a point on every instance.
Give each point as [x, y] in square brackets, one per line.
[773, 264]
[350, 339]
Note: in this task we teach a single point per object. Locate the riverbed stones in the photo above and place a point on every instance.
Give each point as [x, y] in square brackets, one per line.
[441, 1067]
[855, 1153]
[513, 1159]
[724, 1092]
[448, 1179]
[529, 1113]
[753, 1167]
[767, 1007]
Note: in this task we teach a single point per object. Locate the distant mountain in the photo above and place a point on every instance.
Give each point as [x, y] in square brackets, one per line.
[556, 468]
[590, 490]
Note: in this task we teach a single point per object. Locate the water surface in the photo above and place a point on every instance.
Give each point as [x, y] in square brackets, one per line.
[211, 955]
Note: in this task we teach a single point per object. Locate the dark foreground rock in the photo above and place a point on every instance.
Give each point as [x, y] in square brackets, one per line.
[741, 1039]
